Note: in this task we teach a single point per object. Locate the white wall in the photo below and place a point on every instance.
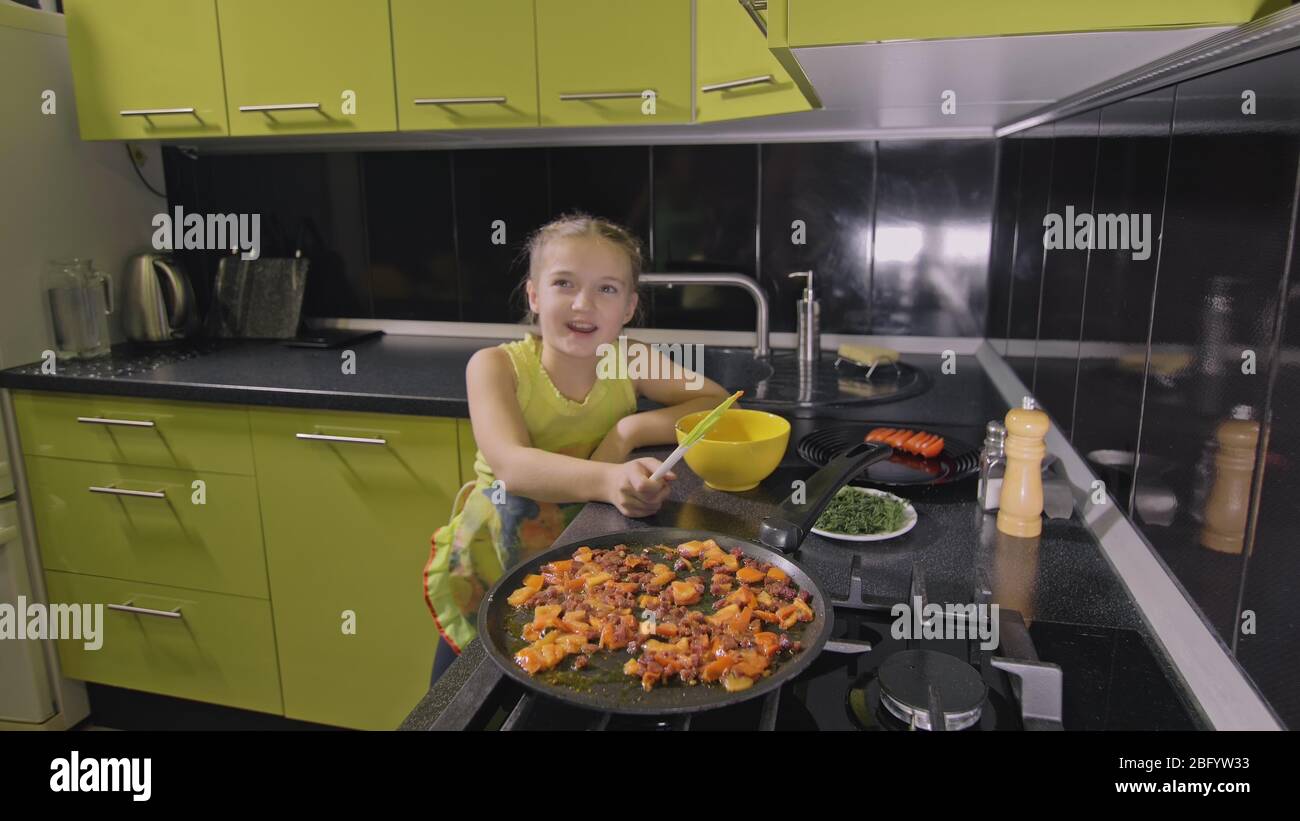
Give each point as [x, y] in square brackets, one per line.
[59, 196]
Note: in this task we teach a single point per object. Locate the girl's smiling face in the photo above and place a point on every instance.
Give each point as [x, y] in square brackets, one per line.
[582, 294]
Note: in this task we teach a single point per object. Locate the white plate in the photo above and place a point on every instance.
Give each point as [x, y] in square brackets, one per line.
[909, 520]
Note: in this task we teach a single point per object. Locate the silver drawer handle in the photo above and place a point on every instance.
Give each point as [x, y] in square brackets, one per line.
[282, 107]
[360, 440]
[458, 100]
[99, 420]
[118, 491]
[150, 112]
[748, 81]
[146, 611]
[606, 95]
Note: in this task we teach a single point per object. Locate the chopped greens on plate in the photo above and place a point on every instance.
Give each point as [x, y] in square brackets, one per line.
[858, 514]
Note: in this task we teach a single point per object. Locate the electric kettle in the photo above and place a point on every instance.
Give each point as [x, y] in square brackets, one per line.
[157, 300]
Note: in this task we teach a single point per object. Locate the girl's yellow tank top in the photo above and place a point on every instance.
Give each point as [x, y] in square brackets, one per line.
[555, 422]
[492, 529]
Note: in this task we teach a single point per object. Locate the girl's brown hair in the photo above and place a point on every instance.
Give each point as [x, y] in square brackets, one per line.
[575, 225]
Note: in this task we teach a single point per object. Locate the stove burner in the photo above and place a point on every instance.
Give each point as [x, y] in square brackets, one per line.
[913, 685]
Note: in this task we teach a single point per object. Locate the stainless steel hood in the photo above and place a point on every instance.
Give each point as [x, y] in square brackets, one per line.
[898, 87]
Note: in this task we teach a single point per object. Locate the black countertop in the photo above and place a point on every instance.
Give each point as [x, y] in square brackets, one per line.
[1061, 577]
[421, 375]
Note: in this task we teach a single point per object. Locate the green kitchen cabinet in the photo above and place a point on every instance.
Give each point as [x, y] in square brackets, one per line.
[180, 528]
[624, 63]
[132, 431]
[347, 521]
[183, 643]
[307, 66]
[736, 75]
[146, 69]
[464, 65]
[835, 22]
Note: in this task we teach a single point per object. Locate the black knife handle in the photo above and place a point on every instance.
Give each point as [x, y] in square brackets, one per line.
[786, 529]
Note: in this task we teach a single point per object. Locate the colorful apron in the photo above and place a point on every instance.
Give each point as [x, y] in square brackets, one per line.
[491, 529]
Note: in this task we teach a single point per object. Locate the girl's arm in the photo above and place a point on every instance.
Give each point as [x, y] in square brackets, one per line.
[682, 392]
[501, 434]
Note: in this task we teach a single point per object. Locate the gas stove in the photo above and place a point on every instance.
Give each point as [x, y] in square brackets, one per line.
[866, 678]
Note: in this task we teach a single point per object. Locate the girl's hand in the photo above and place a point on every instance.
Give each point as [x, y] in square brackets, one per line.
[631, 490]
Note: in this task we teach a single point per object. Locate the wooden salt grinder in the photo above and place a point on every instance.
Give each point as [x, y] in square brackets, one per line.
[1229, 499]
[1020, 510]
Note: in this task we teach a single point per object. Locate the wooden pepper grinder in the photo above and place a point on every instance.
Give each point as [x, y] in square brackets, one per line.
[1020, 510]
[1229, 499]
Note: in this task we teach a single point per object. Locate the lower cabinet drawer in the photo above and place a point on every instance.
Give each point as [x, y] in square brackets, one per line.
[150, 524]
[215, 648]
[133, 431]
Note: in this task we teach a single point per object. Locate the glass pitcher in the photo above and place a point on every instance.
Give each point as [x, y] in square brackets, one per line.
[79, 298]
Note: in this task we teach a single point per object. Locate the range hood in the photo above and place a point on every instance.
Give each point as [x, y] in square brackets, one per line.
[883, 90]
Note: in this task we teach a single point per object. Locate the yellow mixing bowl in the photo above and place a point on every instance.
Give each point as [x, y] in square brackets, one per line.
[741, 450]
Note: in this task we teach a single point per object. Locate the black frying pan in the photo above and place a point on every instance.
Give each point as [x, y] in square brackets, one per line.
[602, 686]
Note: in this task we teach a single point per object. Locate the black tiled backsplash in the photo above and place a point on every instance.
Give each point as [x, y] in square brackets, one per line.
[1154, 356]
[1003, 245]
[1133, 153]
[933, 203]
[1065, 271]
[705, 218]
[829, 188]
[410, 234]
[410, 280]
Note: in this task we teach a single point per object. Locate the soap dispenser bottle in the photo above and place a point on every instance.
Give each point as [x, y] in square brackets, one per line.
[808, 314]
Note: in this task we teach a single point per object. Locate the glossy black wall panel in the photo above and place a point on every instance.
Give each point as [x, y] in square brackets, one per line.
[409, 234]
[817, 215]
[934, 202]
[1227, 227]
[1065, 269]
[605, 181]
[1003, 245]
[495, 189]
[1133, 154]
[412, 271]
[705, 220]
[1036, 154]
[311, 202]
[1270, 652]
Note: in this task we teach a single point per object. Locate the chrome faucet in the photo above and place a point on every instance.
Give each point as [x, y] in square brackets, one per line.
[762, 349]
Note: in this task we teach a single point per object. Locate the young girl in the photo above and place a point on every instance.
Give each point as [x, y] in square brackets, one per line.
[551, 433]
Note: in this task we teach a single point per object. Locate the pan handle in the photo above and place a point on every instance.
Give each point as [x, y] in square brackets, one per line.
[785, 530]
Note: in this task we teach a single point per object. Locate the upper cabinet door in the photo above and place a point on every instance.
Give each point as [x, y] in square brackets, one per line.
[307, 66]
[737, 76]
[614, 63]
[464, 64]
[146, 69]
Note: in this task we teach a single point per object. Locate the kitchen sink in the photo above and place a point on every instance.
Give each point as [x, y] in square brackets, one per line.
[782, 381]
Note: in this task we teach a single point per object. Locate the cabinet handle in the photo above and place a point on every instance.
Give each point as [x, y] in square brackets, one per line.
[360, 440]
[748, 81]
[118, 491]
[282, 107]
[752, 8]
[146, 611]
[149, 112]
[458, 100]
[99, 420]
[605, 95]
